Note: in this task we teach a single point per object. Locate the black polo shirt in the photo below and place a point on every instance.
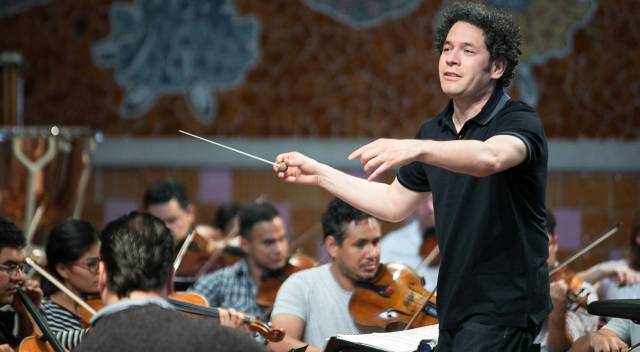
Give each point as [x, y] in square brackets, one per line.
[490, 229]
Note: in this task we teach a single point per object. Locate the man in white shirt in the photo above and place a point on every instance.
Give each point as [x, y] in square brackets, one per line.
[312, 305]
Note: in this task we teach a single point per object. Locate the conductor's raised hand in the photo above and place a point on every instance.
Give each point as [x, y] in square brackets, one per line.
[299, 168]
[384, 154]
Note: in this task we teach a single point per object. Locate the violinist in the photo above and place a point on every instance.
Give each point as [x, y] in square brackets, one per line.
[12, 277]
[73, 254]
[168, 200]
[403, 245]
[264, 240]
[136, 258]
[618, 278]
[312, 305]
[568, 320]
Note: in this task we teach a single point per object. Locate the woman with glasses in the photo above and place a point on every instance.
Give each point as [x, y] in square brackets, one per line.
[73, 254]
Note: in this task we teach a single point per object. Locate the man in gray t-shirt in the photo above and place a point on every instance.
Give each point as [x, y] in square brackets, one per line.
[312, 305]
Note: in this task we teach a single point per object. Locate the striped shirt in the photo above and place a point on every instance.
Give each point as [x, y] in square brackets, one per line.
[65, 325]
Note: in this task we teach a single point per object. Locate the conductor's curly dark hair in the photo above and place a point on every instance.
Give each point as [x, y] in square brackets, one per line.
[502, 35]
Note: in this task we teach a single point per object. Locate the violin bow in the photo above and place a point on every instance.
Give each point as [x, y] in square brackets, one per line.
[589, 247]
[59, 285]
[297, 242]
[183, 250]
[429, 258]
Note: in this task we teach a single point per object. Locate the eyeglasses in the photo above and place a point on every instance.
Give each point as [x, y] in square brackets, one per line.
[90, 265]
[14, 268]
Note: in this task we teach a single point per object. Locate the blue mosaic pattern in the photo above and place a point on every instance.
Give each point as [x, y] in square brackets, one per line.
[363, 13]
[173, 47]
[13, 7]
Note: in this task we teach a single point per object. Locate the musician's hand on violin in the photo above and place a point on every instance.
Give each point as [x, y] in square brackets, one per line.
[384, 154]
[300, 168]
[6, 348]
[606, 341]
[558, 291]
[33, 291]
[232, 318]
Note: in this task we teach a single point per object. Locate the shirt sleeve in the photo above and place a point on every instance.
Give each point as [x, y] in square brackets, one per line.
[413, 177]
[292, 298]
[621, 327]
[526, 126]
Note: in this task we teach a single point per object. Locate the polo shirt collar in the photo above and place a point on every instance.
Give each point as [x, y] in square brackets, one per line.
[497, 100]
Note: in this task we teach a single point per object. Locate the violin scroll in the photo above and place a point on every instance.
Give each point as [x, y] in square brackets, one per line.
[262, 328]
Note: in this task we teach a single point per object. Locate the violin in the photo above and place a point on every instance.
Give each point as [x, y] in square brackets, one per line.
[394, 299]
[272, 280]
[206, 249]
[559, 271]
[86, 314]
[195, 304]
[575, 289]
[42, 340]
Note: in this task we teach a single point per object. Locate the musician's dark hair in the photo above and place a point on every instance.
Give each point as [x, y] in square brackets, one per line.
[550, 223]
[67, 242]
[137, 252]
[338, 215]
[164, 191]
[10, 235]
[254, 213]
[501, 34]
[225, 214]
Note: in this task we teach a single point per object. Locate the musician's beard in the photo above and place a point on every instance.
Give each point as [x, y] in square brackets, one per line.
[365, 272]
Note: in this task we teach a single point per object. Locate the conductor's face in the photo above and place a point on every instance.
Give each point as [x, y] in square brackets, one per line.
[464, 68]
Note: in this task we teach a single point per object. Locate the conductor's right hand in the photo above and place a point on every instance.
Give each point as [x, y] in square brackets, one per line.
[299, 168]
